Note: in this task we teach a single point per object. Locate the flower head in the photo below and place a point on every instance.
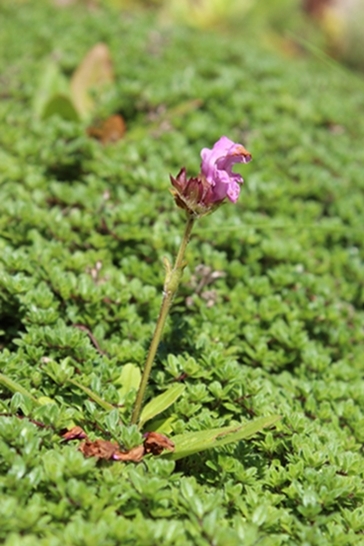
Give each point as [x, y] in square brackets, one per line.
[217, 165]
[202, 194]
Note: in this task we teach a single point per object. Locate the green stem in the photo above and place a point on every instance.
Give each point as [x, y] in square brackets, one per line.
[15, 387]
[171, 283]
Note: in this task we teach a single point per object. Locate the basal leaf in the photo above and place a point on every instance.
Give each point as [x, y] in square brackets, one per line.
[165, 426]
[62, 106]
[160, 403]
[194, 442]
[52, 82]
[129, 379]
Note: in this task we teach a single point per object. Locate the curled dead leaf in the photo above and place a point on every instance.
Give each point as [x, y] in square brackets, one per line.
[134, 455]
[155, 443]
[102, 449]
[108, 131]
[75, 433]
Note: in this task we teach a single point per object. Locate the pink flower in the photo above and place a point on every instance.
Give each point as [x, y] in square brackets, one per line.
[202, 194]
[217, 165]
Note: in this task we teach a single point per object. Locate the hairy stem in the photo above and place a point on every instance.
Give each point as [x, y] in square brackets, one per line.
[171, 283]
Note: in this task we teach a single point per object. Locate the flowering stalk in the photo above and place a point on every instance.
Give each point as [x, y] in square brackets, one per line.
[198, 196]
[171, 283]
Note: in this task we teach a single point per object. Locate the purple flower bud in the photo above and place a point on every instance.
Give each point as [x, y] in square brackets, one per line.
[217, 165]
[202, 194]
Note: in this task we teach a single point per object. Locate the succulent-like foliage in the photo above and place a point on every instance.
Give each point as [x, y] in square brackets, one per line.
[269, 318]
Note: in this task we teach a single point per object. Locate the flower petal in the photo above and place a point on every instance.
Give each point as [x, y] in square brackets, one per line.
[216, 166]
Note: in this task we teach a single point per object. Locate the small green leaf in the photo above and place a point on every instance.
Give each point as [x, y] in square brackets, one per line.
[194, 442]
[160, 403]
[129, 379]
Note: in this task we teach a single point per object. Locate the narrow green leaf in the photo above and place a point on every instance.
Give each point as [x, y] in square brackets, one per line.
[164, 426]
[15, 387]
[160, 403]
[95, 397]
[194, 442]
[129, 379]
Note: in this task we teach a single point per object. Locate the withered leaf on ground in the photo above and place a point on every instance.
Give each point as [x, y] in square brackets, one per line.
[75, 433]
[92, 75]
[108, 131]
[103, 449]
[134, 455]
[155, 443]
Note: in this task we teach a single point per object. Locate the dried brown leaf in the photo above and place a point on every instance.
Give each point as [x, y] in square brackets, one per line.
[108, 131]
[133, 455]
[75, 433]
[155, 443]
[102, 449]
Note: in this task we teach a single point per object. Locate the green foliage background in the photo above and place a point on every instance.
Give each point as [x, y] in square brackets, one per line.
[83, 230]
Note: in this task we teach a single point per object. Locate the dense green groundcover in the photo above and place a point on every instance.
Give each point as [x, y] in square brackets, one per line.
[83, 231]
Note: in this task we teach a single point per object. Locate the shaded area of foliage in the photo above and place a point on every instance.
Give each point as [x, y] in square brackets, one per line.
[83, 229]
